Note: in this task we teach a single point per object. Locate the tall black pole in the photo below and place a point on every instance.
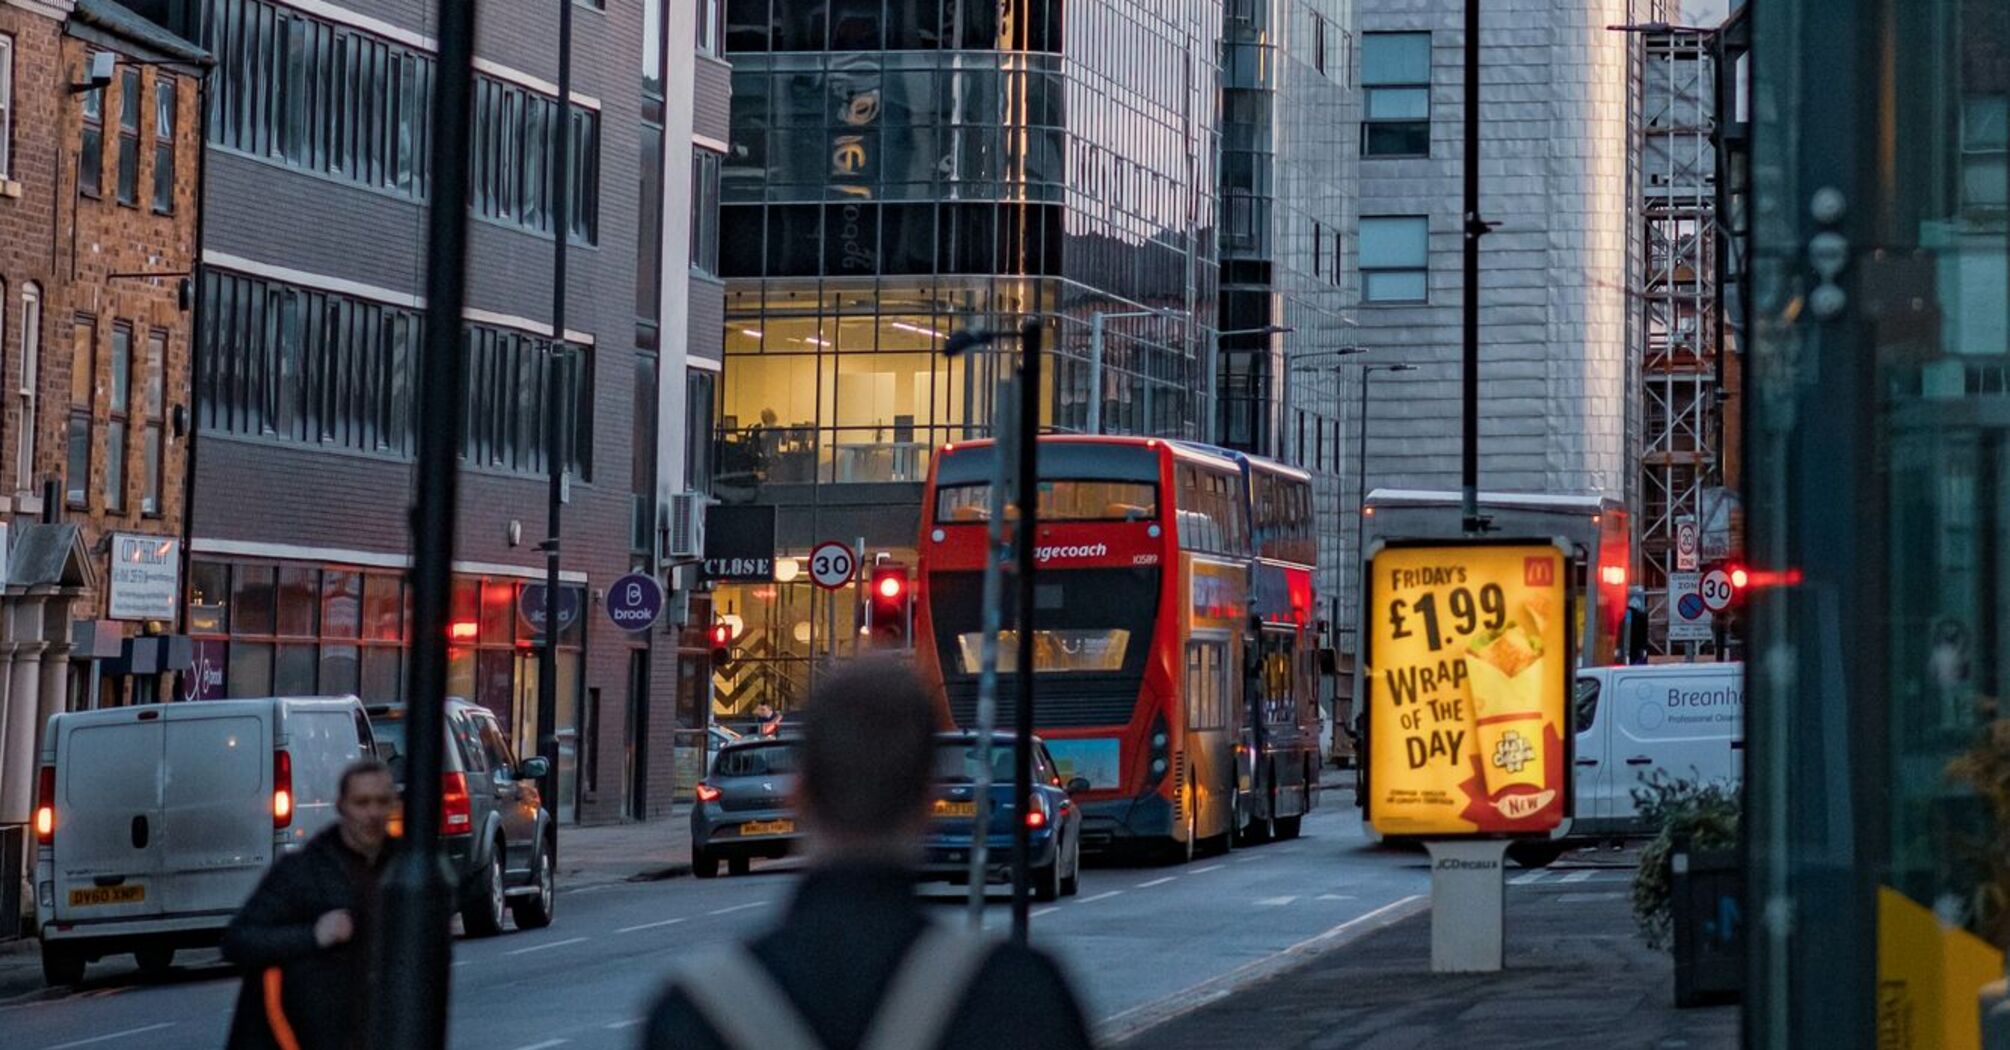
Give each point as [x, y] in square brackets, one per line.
[557, 421]
[1475, 228]
[1022, 742]
[414, 947]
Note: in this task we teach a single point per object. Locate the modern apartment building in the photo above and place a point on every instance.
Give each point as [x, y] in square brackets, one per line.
[310, 305]
[897, 171]
[1556, 274]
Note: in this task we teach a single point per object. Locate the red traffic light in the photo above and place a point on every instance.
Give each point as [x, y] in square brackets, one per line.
[887, 605]
[721, 634]
[1740, 577]
[889, 585]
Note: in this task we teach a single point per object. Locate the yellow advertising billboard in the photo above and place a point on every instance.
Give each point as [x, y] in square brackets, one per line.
[1467, 664]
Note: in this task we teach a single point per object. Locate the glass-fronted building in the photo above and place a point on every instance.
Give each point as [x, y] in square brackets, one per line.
[1877, 427]
[899, 170]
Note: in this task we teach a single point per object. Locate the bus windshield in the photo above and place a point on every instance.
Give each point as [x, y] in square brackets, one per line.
[1090, 620]
[1060, 500]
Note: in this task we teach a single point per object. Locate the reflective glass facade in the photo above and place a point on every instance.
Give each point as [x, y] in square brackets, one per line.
[1878, 481]
[901, 169]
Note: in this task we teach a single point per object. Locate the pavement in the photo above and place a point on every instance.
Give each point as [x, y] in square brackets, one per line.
[1577, 975]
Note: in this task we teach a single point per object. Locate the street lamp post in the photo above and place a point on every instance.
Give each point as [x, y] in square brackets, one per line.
[1028, 527]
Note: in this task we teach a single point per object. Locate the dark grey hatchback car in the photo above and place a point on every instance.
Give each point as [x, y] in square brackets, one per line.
[497, 835]
[743, 806]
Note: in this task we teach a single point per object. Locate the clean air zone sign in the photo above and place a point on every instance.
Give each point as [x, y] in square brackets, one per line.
[1468, 666]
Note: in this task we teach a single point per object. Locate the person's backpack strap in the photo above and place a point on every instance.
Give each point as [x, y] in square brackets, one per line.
[932, 981]
[742, 1003]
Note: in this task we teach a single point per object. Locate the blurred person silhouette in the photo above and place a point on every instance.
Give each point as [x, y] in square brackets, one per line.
[303, 938]
[855, 962]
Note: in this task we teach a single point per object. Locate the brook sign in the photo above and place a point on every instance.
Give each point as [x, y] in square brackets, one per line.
[635, 602]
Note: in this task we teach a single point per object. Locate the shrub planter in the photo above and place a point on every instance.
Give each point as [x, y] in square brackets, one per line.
[1707, 904]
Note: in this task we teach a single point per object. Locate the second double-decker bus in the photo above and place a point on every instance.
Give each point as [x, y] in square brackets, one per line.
[1145, 556]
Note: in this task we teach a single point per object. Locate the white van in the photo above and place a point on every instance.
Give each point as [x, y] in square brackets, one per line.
[1685, 720]
[154, 823]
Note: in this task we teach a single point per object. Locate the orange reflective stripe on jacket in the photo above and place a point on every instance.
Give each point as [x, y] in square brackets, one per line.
[275, 1012]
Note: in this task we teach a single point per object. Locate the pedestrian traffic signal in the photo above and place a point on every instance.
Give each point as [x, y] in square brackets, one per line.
[889, 597]
[720, 634]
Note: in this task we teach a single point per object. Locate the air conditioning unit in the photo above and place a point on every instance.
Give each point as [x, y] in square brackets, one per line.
[684, 533]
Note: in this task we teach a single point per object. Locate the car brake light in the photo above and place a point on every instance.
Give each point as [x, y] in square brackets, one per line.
[708, 793]
[282, 789]
[1036, 817]
[457, 813]
[45, 806]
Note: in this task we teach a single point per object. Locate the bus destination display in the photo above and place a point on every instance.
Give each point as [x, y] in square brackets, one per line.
[1468, 667]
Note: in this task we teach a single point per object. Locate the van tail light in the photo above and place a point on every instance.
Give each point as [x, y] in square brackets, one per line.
[282, 788]
[45, 806]
[1036, 815]
[457, 813]
[708, 793]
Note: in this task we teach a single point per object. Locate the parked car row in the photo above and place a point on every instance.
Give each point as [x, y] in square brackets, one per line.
[745, 810]
[154, 823]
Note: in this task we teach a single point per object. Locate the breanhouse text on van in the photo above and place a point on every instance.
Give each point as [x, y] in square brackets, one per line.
[1705, 698]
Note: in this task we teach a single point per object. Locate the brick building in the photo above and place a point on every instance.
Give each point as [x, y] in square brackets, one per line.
[310, 306]
[100, 158]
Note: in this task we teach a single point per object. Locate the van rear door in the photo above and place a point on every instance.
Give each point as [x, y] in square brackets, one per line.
[217, 805]
[108, 817]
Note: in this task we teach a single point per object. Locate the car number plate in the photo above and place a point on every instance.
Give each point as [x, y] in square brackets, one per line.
[84, 898]
[946, 808]
[768, 827]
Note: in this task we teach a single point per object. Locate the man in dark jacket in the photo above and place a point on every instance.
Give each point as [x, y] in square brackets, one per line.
[867, 766]
[303, 939]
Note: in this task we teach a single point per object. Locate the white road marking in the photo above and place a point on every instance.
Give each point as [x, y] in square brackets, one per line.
[1156, 882]
[1274, 902]
[1247, 860]
[546, 1045]
[1106, 895]
[1336, 896]
[458, 963]
[1527, 878]
[649, 925]
[114, 1035]
[1045, 911]
[1579, 876]
[737, 907]
[619, 1025]
[1582, 898]
[1203, 871]
[542, 947]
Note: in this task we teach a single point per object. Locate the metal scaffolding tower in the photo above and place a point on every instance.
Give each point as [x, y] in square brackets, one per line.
[1680, 337]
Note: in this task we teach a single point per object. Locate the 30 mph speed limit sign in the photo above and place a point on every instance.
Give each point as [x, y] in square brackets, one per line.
[1716, 590]
[832, 565]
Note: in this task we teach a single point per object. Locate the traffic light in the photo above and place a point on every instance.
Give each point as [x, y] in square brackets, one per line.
[887, 604]
[720, 634]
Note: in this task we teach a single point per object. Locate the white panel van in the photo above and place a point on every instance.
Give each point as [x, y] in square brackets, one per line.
[1686, 721]
[154, 823]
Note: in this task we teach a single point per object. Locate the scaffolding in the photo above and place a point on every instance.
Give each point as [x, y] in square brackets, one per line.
[1680, 335]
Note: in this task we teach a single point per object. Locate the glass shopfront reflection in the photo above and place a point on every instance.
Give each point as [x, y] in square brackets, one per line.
[1878, 480]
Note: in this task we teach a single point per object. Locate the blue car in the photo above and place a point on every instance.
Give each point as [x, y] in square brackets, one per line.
[1055, 819]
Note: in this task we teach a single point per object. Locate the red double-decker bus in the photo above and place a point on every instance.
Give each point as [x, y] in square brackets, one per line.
[1147, 562]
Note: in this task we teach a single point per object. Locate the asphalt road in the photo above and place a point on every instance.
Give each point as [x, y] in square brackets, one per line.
[1141, 943]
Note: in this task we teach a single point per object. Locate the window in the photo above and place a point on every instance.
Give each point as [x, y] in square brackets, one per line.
[1985, 137]
[700, 395]
[83, 392]
[508, 373]
[29, 374]
[1396, 78]
[6, 107]
[642, 476]
[119, 412]
[91, 148]
[323, 97]
[510, 180]
[1333, 264]
[1395, 259]
[1318, 249]
[705, 211]
[711, 37]
[342, 369]
[153, 401]
[1584, 710]
[129, 137]
[1206, 685]
[164, 125]
[649, 242]
[1319, 43]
